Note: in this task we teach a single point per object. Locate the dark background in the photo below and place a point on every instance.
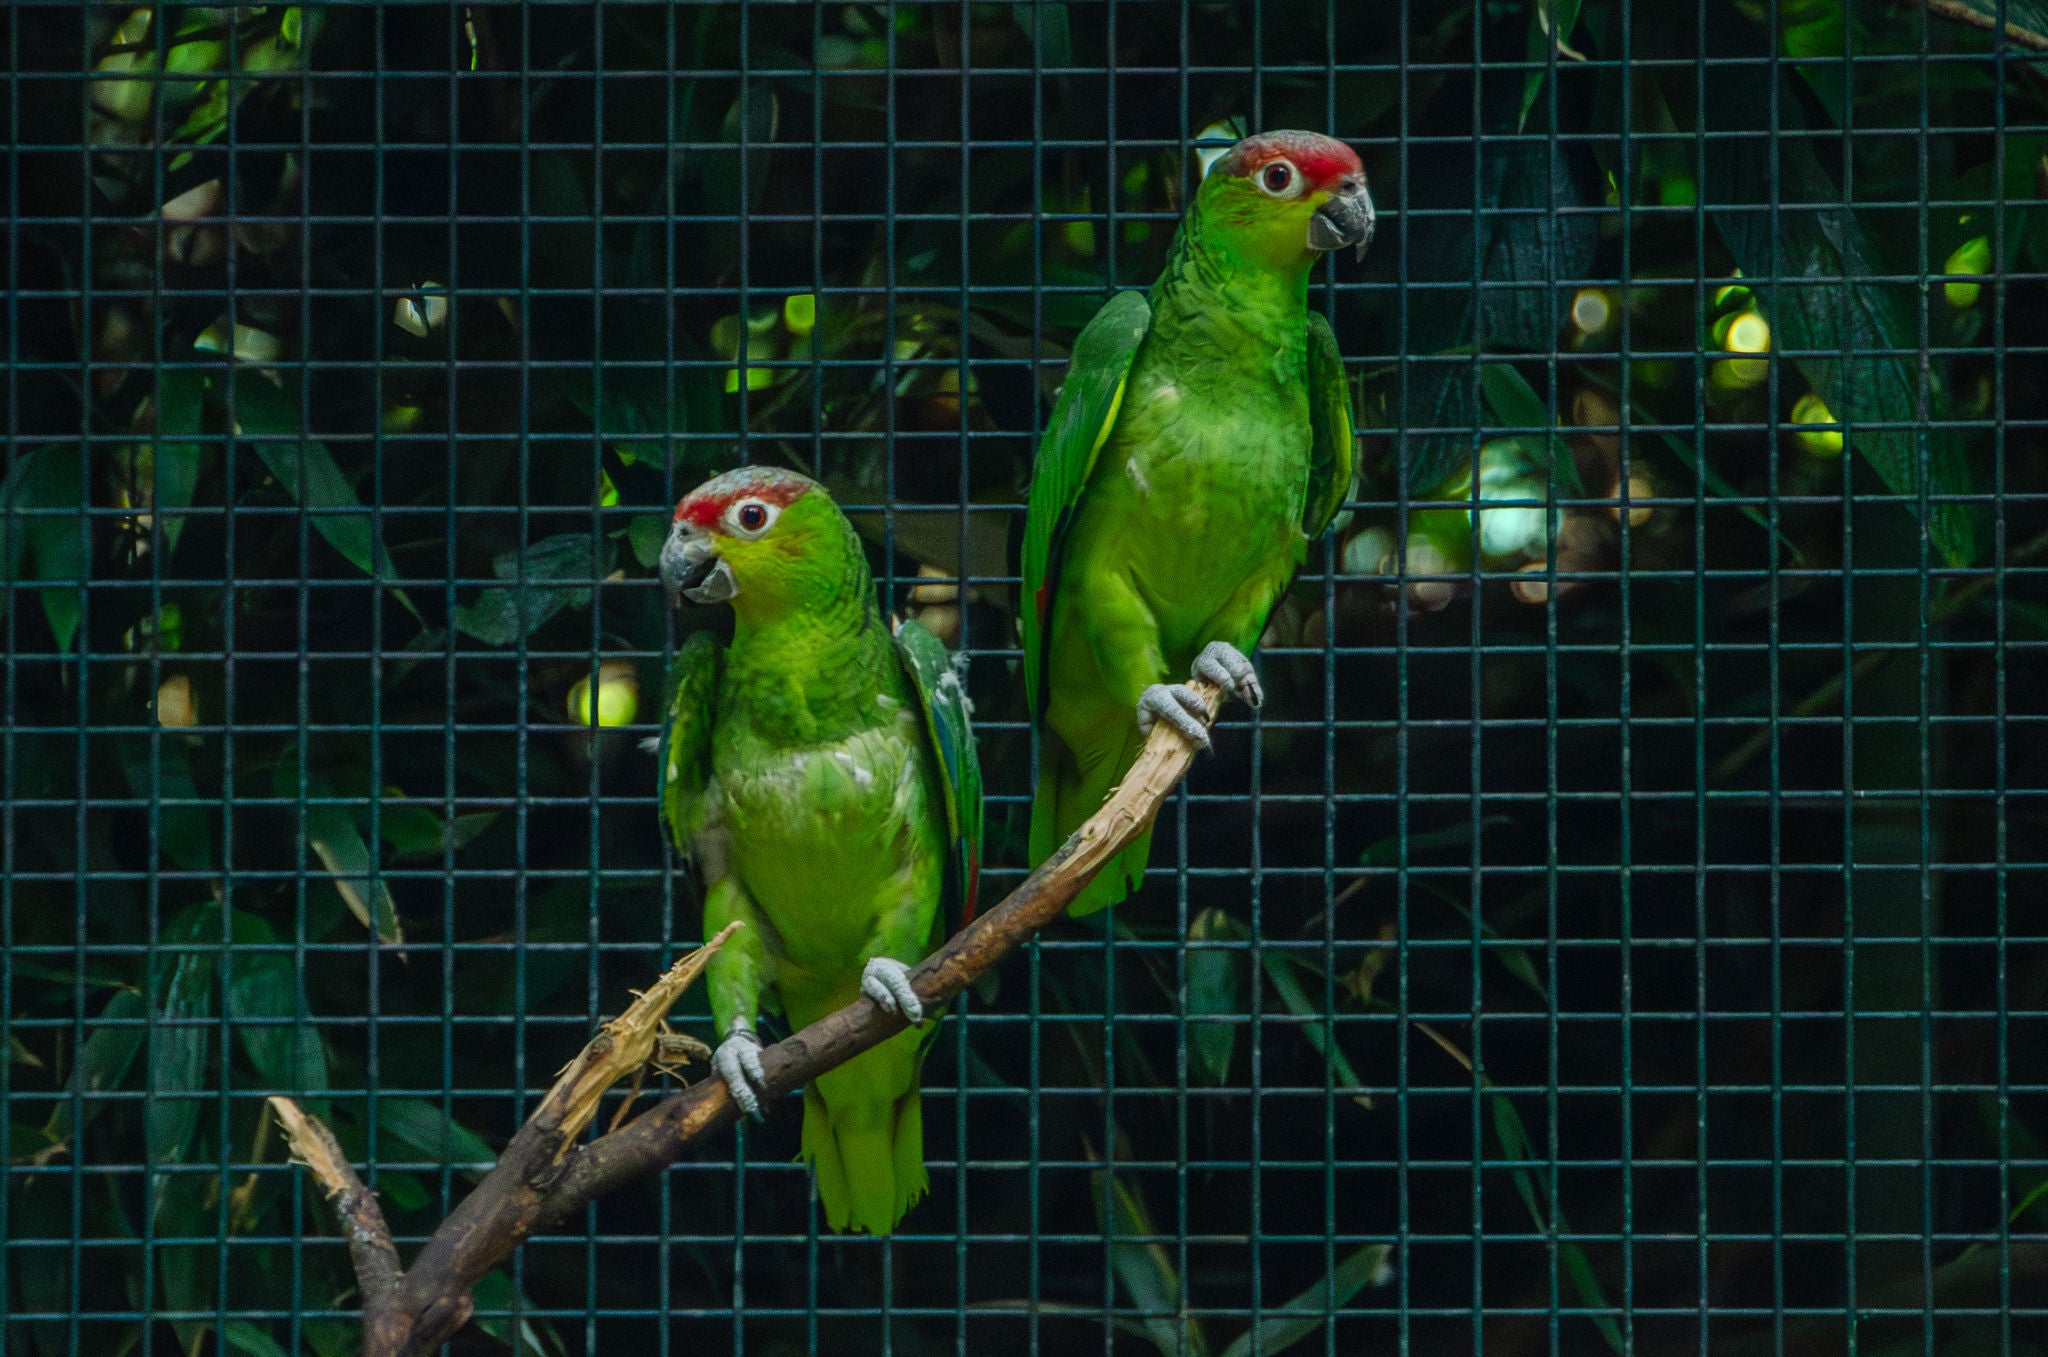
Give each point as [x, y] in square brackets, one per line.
[1620, 929]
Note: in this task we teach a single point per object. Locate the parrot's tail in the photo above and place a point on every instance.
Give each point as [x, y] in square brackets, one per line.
[864, 1142]
[1069, 791]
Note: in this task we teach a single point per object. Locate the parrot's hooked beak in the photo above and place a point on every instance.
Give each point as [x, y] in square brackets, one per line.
[1346, 219]
[692, 568]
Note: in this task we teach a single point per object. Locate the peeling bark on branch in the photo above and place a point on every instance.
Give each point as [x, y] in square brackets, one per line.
[543, 1176]
[1956, 11]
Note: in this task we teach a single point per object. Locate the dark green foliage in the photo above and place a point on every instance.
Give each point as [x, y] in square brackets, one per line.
[1588, 915]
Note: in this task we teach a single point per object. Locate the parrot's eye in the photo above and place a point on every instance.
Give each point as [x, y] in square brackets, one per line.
[750, 518]
[1280, 180]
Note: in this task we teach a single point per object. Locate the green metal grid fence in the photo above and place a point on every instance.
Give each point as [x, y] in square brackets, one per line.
[1620, 930]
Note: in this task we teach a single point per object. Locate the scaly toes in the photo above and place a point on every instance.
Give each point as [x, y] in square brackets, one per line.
[738, 1062]
[887, 981]
[1225, 666]
[1179, 706]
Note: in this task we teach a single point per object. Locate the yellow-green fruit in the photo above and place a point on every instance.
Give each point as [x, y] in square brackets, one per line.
[176, 705]
[800, 314]
[1810, 409]
[618, 695]
[1743, 332]
[1972, 256]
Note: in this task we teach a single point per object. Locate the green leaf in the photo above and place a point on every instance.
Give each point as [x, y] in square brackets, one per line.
[1515, 403]
[243, 1336]
[333, 1337]
[177, 455]
[309, 474]
[650, 400]
[103, 1062]
[722, 169]
[184, 832]
[181, 1039]
[401, 1192]
[1280, 969]
[59, 546]
[1047, 26]
[1514, 1143]
[554, 573]
[646, 535]
[1521, 255]
[87, 974]
[44, 478]
[332, 835]
[496, 1298]
[1550, 28]
[1216, 987]
[39, 1278]
[187, 1271]
[434, 1136]
[417, 832]
[1826, 301]
[1296, 1319]
[1718, 484]
[1141, 1265]
[268, 1017]
[1387, 852]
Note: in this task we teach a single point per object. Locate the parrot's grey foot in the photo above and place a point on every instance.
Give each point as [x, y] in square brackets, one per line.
[1179, 706]
[738, 1062]
[887, 981]
[1224, 665]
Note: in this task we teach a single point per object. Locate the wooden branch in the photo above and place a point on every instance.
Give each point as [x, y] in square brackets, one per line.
[414, 1311]
[1960, 12]
[658, 1138]
[543, 1177]
[369, 1239]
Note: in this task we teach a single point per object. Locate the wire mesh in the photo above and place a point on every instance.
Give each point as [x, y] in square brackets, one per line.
[1610, 934]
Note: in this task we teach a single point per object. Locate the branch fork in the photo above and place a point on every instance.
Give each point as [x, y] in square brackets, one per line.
[544, 1176]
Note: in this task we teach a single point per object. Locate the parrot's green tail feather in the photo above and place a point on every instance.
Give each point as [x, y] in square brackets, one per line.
[865, 1145]
[1067, 794]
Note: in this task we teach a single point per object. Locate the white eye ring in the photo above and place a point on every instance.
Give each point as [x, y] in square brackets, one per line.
[747, 519]
[1290, 180]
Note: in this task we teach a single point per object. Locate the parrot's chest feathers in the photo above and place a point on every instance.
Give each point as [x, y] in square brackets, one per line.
[1199, 463]
[862, 782]
[842, 811]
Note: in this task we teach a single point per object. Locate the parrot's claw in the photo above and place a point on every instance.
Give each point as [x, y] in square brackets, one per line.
[887, 981]
[1179, 706]
[738, 1062]
[1224, 665]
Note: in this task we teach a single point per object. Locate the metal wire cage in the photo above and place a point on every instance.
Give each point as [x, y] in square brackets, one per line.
[1611, 934]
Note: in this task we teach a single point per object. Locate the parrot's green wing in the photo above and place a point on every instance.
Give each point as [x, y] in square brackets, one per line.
[685, 752]
[943, 699]
[1082, 420]
[1333, 458]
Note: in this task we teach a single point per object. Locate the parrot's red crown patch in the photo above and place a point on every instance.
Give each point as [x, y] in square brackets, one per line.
[1324, 160]
[706, 504]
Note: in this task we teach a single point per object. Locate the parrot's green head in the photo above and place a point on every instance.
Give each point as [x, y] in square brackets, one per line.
[1283, 198]
[767, 540]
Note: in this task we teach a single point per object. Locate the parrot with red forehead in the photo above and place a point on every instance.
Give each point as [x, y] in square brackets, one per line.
[1201, 440]
[821, 772]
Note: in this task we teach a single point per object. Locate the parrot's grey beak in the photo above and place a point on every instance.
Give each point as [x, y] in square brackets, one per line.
[1346, 219]
[691, 568]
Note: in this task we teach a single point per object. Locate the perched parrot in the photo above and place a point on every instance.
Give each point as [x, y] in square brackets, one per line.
[822, 774]
[1201, 441]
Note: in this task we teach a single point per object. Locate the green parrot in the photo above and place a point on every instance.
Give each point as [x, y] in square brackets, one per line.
[822, 775]
[1201, 441]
